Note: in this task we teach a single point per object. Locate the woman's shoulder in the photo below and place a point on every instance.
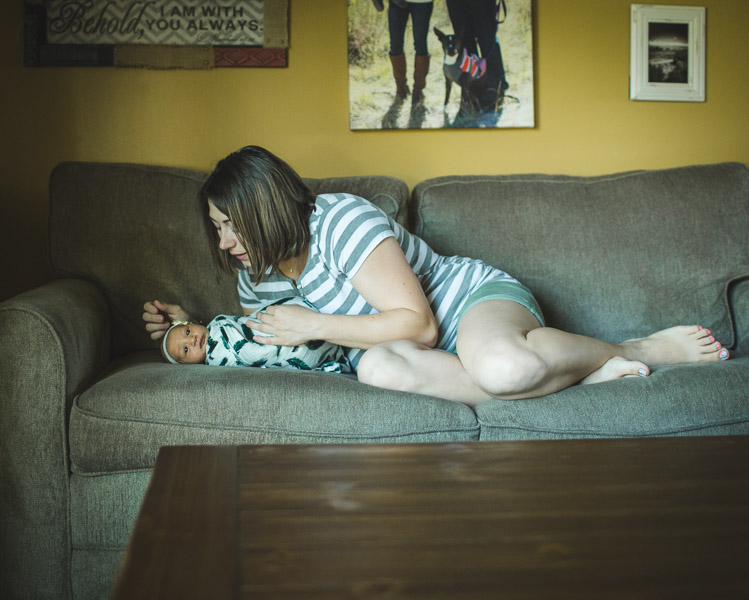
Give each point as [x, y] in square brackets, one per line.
[344, 227]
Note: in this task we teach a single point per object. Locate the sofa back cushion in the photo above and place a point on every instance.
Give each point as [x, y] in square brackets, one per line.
[614, 256]
[136, 231]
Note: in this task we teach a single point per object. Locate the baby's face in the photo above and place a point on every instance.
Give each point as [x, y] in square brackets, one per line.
[186, 343]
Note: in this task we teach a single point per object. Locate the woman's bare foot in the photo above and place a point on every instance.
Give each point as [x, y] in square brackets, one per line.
[676, 345]
[616, 368]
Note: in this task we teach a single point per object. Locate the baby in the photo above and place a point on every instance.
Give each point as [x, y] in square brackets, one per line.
[227, 341]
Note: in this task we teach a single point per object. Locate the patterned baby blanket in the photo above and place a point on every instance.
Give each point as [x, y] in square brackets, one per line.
[230, 343]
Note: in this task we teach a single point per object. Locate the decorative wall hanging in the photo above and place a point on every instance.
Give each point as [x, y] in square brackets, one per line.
[667, 53]
[437, 64]
[160, 34]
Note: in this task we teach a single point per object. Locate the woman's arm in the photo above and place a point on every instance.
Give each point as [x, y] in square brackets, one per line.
[387, 282]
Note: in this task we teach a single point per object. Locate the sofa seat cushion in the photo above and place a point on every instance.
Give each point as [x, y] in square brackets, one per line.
[707, 399]
[612, 257]
[141, 404]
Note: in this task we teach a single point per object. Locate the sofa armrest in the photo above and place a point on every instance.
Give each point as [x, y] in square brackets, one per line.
[53, 341]
[739, 302]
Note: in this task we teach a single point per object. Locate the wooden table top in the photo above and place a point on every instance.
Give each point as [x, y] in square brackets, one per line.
[645, 518]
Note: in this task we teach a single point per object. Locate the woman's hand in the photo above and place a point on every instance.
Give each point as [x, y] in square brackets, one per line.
[290, 325]
[387, 283]
[159, 316]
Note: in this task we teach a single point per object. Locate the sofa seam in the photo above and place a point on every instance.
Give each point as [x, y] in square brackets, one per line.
[629, 434]
[89, 548]
[554, 178]
[196, 175]
[731, 313]
[95, 474]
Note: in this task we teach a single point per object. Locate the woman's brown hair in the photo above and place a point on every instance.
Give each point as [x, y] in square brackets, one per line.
[269, 207]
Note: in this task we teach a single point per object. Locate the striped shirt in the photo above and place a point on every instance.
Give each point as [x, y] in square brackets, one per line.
[344, 231]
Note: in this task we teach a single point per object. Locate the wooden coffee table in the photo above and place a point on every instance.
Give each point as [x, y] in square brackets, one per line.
[645, 518]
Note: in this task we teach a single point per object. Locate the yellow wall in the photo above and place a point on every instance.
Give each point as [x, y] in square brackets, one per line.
[585, 123]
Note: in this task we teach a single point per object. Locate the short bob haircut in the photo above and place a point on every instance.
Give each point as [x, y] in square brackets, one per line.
[269, 207]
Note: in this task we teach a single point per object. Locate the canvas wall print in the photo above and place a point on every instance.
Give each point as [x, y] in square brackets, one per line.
[433, 64]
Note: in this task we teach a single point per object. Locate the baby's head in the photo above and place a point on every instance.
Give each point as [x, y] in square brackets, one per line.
[184, 343]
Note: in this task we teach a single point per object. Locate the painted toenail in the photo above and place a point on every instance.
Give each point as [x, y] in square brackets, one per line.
[643, 372]
[712, 339]
[700, 327]
[717, 345]
[723, 354]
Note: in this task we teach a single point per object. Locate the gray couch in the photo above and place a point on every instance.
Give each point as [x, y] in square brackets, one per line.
[87, 402]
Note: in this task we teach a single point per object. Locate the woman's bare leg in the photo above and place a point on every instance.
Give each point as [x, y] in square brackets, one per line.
[408, 366]
[509, 355]
[504, 353]
[495, 360]
[547, 360]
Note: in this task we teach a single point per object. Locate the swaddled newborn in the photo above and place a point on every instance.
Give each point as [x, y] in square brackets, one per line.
[227, 341]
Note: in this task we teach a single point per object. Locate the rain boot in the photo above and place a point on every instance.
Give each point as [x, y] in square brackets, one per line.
[421, 68]
[399, 73]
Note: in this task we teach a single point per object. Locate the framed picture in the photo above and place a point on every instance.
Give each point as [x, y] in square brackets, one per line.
[667, 53]
[434, 64]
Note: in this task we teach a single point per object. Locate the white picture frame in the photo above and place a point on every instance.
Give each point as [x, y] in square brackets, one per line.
[667, 53]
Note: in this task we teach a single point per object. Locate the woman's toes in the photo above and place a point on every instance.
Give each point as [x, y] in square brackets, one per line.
[702, 334]
[616, 368]
[708, 345]
[632, 368]
[715, 351]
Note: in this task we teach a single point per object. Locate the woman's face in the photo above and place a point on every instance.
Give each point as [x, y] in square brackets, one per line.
[227, 238]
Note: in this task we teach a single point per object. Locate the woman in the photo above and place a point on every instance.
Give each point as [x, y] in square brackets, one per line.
[398, 13]
[415, 321]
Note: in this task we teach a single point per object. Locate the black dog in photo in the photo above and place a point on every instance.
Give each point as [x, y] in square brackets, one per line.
[474, 84]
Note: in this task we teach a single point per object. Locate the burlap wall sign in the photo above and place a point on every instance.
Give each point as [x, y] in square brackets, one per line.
[157, 34]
